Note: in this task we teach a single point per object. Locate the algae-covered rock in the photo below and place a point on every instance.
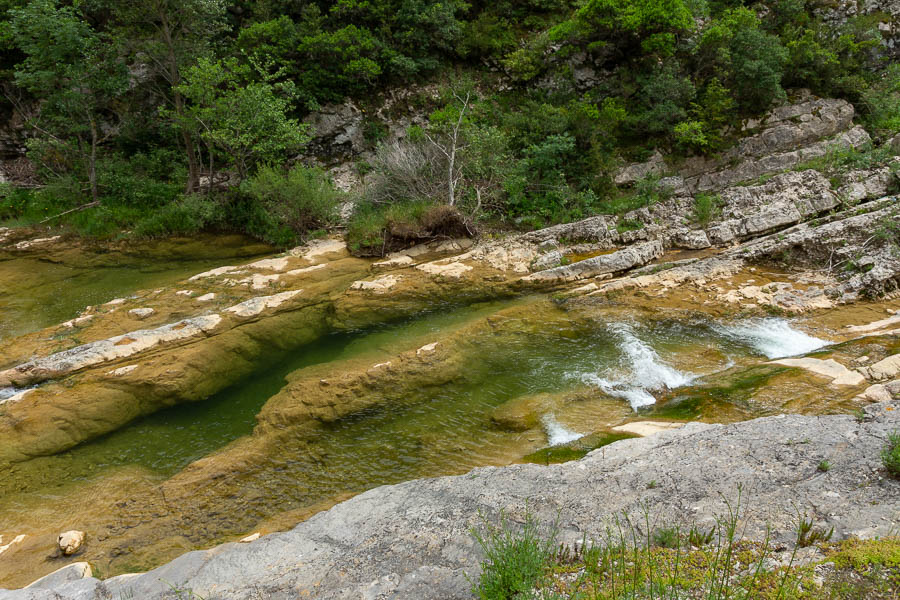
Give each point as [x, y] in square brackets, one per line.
[523, 413]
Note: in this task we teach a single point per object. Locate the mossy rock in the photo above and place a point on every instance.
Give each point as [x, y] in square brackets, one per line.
[575, 450]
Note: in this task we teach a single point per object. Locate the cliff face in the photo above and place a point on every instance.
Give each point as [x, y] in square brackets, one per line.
[413, 540]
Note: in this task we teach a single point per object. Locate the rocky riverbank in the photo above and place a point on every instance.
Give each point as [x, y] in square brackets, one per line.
[666, 312]
[413, 540]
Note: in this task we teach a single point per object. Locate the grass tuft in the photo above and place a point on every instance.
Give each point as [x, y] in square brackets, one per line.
[890, 455]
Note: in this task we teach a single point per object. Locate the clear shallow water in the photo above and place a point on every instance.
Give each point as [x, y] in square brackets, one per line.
[633, 362]
[40, 292]
[432, 430]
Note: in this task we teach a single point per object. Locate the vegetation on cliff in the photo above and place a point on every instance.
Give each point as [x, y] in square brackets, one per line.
[168, 116]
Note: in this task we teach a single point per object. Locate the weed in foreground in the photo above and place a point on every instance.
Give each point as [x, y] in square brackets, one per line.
[514, 559]
[635, 560]
[890, 455]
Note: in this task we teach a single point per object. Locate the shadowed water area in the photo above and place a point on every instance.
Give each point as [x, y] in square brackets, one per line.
[522, 374]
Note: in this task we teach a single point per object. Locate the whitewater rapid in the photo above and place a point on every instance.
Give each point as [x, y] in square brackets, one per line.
[557, 433]
[772, 337]
[639, 372]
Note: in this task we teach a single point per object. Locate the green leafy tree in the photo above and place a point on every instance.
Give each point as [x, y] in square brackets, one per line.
[167, 37]
[652, 25]
[664, 97]
[77, 75]
[246, 123]
[745, 58]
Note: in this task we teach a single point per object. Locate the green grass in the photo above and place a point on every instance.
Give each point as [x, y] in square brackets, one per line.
[840, 158]
[514, 557]
[890, 455]
[635, 560]
[706, 208]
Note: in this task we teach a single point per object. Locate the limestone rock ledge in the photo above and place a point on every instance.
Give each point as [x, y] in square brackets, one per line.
[413, 540]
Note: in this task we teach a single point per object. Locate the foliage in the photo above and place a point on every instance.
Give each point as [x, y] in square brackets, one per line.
[246, 123]
[376, 229]
[890, 455]
[77, 74]
[746, 59]
[301, 200]
[188, 214]
[514, 559]
[634, 559]
[649, 25]
[706, 208]
[881, 103]
[141, 103]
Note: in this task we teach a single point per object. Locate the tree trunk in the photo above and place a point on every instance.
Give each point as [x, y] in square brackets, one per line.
[174, 77]
[92, 162]
[193, 179]
[450, 181]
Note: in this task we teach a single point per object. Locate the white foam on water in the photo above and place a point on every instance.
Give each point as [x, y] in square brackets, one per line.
[773, 337]
[557, 433]
[7, 392]
[640, 371]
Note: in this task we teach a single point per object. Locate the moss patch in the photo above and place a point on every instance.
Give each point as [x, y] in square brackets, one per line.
[574, 450]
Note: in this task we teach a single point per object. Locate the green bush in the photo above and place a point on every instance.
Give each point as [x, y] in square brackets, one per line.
[13, 202]
[376, 229]
[881, 103]
[706, 208]
[514, 560]
[300, 200]
[890, 455]
[188, 214]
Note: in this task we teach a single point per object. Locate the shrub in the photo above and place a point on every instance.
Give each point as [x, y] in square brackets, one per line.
[300, 200]
[667, 537]
[706, 208]
[881, 103]
[514, 560]
[890, 455]
[13, 201]
[188, 214]
[690, 136]
[376, 229]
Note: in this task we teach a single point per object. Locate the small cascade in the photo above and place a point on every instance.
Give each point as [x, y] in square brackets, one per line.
[557, 433]
[773, 337]
[8, 392]
[640, 371]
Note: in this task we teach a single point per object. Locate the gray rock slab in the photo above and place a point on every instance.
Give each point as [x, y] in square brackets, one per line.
[621, 260]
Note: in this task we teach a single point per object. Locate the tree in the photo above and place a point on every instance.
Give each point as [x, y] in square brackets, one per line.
[450, 142]
[246, 123]
[654, 24]
[748, 60]
[168, 37]
[77, 75]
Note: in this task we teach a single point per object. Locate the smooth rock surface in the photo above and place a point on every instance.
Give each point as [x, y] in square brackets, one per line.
[72, 572]
[839, 374]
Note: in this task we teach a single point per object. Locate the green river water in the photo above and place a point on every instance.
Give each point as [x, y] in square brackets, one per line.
[601, 370]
